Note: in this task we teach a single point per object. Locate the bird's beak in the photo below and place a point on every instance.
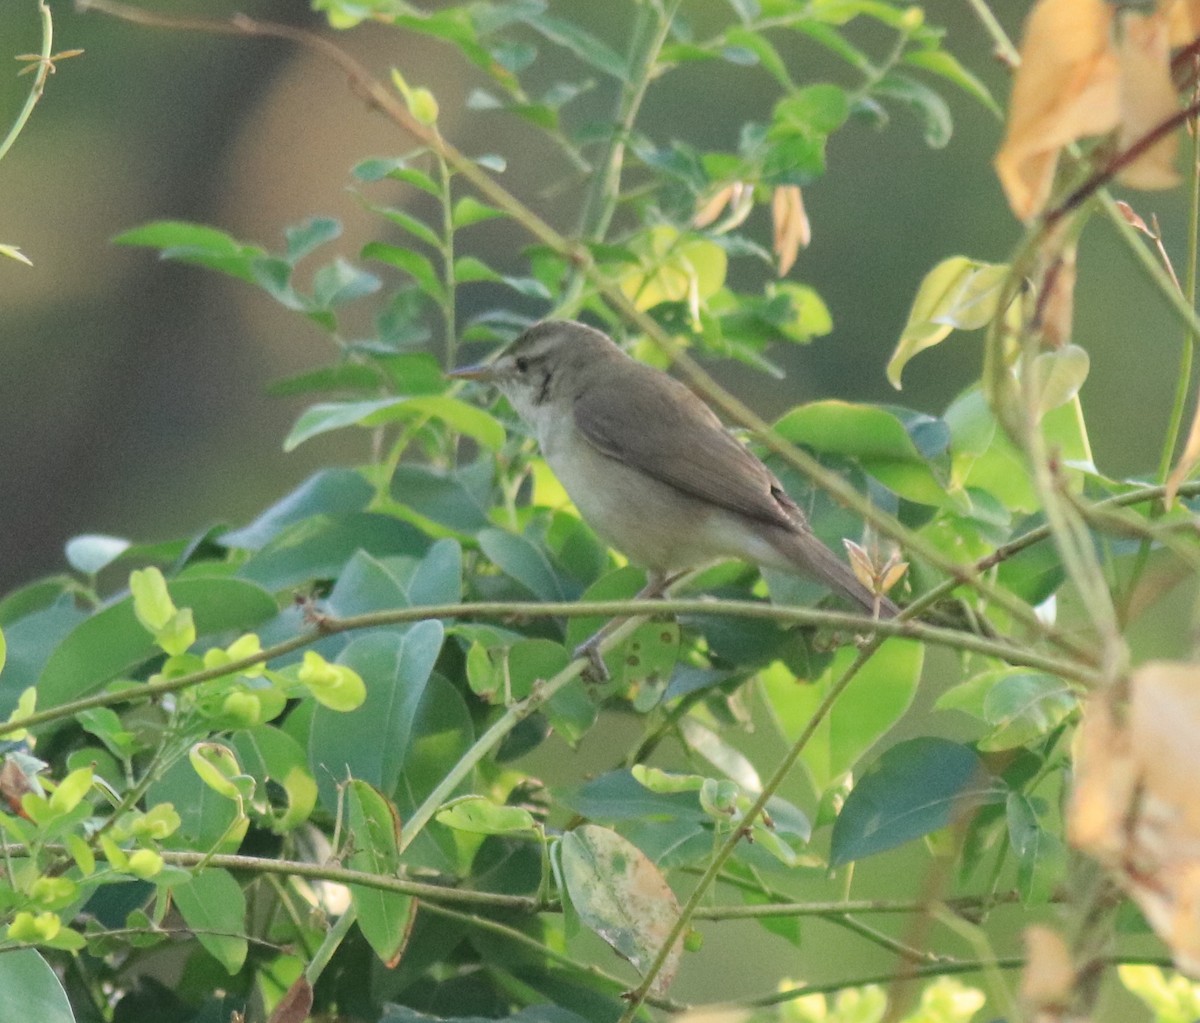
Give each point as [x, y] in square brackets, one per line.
[479, 371]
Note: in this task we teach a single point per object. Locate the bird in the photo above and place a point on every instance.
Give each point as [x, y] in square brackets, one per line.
[650, 467]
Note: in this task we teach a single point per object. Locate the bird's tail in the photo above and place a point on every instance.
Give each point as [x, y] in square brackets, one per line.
[808, 556]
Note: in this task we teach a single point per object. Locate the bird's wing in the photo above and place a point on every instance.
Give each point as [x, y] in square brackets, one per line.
[661, 428]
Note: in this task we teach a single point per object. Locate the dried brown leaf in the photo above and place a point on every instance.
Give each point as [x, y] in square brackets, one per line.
[1183, 20]
[792, 229]
[861, 564]
[711, 208]
[1067, 87]
[1148, 98]
[1134, 807]
[893, 572]
[1187, 461]
[1131, 217]
[1049, 977]
[1058, 301]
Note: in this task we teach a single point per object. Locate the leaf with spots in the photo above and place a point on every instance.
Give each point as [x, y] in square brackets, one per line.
[622, 896]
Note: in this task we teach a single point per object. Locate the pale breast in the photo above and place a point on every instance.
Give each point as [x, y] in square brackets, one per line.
[650, 522]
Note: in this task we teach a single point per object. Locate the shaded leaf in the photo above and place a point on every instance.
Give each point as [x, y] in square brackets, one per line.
[214, 906]
[31, 990]
[917, 787]
[385, 918]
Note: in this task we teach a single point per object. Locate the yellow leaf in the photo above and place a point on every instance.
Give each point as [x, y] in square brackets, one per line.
[673, 268]
[1067, 86]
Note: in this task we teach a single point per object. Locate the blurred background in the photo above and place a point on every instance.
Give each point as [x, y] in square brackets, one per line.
[132, 391]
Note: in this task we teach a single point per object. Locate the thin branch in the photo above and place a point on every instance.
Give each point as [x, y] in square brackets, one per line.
[786, 614]
[39, 79]
[1118, 162]
[923, 970]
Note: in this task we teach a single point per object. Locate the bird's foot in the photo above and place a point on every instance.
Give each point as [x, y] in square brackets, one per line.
[596, 670]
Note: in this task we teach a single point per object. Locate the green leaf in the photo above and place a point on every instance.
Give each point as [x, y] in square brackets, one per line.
[14, 252]
[917, 787]
[208, 821]
[406, 221]
[523, 561]
[468, 269]
[874, 438]
[673, 267]
[468, 420]
[197, 244]
[371, 742]
[341, 281]
[33, 597]
[30, 989]
[385, 918]
[530, 662]
[336, 415]
[104, 723]
[923, 101]
[438, 577]
[583, 44]
[617, 796]
[939, 62]
[397, 169]
[31, 640]
[417, 266]
[317, 548]
[814, 110]
[327, 492]
[958, 293]
[479, 816]
[871, 704]
[365, 585]
[213, 905]
[333, 415]
[448, 498]
[272, 756]
[1059, 375]
[648, 658]
[469, 210]
[1023, 706]
[1172, 999]
[808, 315]
[766, 54]
[302, 238]
[112, 642]
[1041, 854]
[92, 552]
[621, 895]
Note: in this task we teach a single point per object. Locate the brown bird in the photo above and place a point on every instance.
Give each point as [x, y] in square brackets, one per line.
[651, 467]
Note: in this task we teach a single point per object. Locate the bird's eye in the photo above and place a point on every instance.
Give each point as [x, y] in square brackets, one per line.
[522, 364]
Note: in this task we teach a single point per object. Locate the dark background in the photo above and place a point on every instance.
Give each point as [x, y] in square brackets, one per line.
[132, 391]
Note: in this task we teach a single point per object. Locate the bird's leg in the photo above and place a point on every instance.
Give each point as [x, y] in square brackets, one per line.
[597, 670]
